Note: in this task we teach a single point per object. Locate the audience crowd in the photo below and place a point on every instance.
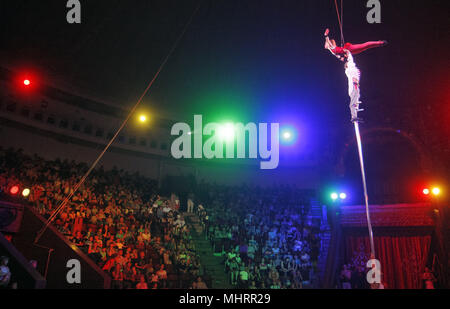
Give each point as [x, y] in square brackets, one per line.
[266, 237]
[116, 218]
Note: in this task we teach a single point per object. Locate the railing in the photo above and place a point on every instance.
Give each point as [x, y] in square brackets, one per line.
[52, 253]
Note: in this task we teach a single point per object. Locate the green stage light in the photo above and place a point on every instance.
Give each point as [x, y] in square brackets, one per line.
[226, 132]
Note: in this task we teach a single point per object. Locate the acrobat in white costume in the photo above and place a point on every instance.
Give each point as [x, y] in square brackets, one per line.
[353, 76]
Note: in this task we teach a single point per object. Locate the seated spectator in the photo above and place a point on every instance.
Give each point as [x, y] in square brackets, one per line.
[346, 276]
[243, 278]
[142, 285]
[5, 273]
[428, 279]
[162, 275]
[199, 284]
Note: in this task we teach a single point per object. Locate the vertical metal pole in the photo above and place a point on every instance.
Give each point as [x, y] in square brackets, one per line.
[366, 196]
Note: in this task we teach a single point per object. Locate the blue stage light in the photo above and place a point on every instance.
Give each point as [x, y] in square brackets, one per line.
[288, 135]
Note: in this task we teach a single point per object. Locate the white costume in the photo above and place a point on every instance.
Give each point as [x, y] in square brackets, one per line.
[353, 76]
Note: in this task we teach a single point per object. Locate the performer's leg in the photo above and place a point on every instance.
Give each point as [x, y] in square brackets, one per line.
[359, 48]
[354, 103]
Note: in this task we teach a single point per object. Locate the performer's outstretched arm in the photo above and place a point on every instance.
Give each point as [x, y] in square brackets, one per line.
[331, 46]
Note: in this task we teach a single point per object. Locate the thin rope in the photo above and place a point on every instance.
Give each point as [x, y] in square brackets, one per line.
[340, 20]
[83, 179]
[366, 196]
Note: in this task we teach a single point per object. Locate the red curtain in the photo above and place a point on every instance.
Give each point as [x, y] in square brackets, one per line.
[403, 258]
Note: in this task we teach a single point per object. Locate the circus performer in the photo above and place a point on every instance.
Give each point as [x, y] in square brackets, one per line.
[353, 76]
[354, 49]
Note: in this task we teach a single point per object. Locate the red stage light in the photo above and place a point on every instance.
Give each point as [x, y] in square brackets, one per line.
[14, 190]
[426, 191]
[26, 82]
